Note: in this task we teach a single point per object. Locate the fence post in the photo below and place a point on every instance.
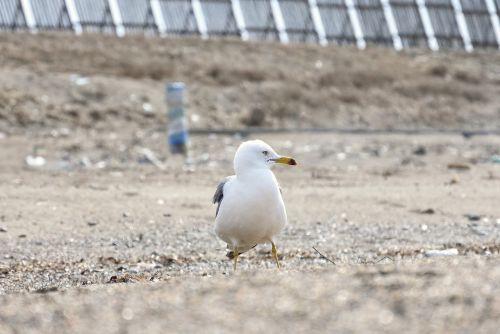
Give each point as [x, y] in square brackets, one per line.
[73, 16]
[240, 20]
[495, 21]
[356, 25]
[28, 15]
[279, 21]
[462, 25]
[158, 17]
[200, 18]
[318, 23]
[391, 24]
[116, 16]
[427, 23]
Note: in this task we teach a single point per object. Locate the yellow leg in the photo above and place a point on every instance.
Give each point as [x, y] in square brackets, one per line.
[275, 255]
[235, 258]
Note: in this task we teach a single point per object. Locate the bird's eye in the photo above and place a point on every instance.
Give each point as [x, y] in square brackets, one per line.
[265, 153]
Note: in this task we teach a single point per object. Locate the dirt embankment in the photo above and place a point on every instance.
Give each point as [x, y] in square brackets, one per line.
[51, 81]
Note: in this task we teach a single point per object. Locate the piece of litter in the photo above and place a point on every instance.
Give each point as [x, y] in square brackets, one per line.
[498, 221]
[101, 164]
[496, 158]
[443, 252]
[423, 227]
[35, 161]
[147, 108]
[78, 80]
[429, 211]
[150, 157]
[195, 118]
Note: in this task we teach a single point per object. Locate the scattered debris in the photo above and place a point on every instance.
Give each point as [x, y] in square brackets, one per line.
[127, 278]
[420, 150]
[429, 211]
[458, 166]
[47, 290]
[454, 180]
[476, 229]
[85, 162]
[35, 161]
[149, 156]
[472, 216]
[322, 256]
[148, 108]
[443, 252]
[78, 80]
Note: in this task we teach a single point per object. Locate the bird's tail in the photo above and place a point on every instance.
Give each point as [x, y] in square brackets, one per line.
[241, 250]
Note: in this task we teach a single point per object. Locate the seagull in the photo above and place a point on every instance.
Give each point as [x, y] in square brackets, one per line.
[250, 209]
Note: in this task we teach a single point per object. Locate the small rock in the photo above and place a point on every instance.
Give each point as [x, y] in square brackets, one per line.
[429, 211]
[92, 223]
[22, 236]
[443, 252]
[454, 180]
[147, 108]
[3, 229]
[420, 150]
[472, 216]
[126, 215]
[47, 290]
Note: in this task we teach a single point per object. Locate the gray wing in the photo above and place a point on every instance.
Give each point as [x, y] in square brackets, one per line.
[219, 193]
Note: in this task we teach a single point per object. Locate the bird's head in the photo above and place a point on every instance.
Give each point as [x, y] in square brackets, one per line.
[258, 154]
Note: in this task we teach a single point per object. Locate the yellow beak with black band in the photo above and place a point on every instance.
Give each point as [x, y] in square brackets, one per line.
[285, 160]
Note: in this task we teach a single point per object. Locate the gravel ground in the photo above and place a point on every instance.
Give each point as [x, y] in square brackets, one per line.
[124, 246]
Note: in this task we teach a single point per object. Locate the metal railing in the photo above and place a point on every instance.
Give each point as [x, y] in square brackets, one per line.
[436, 24]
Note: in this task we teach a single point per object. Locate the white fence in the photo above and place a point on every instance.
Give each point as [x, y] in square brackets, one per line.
[435, 24]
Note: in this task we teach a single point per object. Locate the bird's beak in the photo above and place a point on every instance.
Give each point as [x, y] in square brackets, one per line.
[285, 160]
